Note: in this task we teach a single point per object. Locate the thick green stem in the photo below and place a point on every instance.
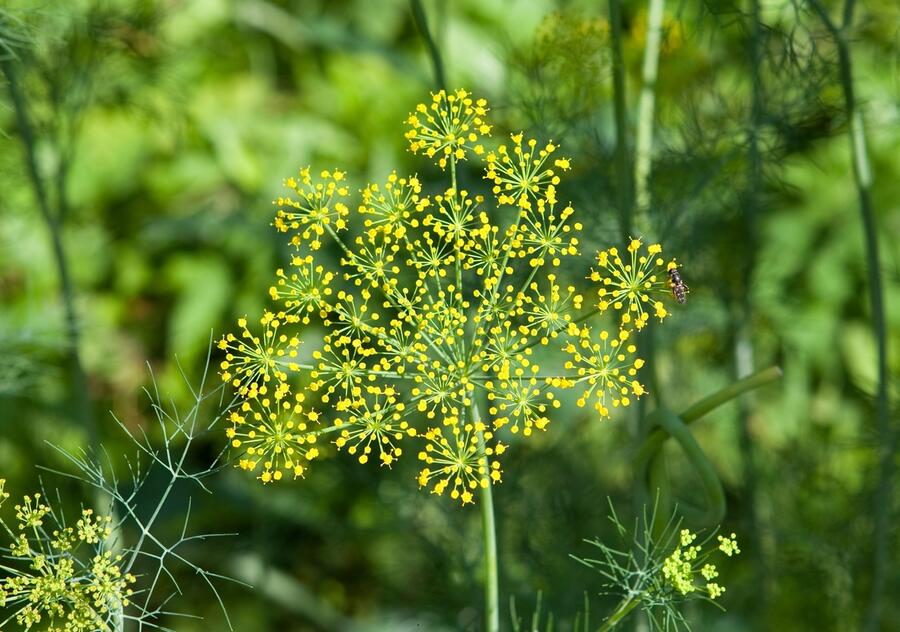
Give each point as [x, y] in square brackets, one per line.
[743, 310]
[887, 437]
[622, 610]
[643, 146]
[434, 52]
[623, 170]
[489, 537]
[78, 376]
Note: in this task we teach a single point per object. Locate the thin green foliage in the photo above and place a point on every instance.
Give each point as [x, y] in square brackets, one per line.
[136, 531]
[655, 568]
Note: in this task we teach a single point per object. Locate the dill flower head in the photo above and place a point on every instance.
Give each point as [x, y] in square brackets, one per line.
[445, 301]
[444, 309]
[633, 286]
[448, 127]
[659, 570]
[61, 578]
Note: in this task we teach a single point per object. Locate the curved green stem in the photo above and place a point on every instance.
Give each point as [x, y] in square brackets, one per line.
[749, 383]
[489, 537]
[760, 378]
[649, 455]
[649, 465]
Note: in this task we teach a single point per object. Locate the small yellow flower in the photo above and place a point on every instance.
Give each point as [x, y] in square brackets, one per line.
[252, 362]
[605, 367]
[632, 286]
[276, 436]
[447, 128]
[728, 545]
[31, 512]
[318, 207]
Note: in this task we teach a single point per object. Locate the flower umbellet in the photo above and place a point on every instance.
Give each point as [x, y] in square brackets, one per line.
[447, 296]
[61, 577]
[687, 565]
[522, 175]
[633, 286]
[316, 206]
[448, 127]
[607, 369]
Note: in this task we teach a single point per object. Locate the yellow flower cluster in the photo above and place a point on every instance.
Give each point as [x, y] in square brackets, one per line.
[519, 172]
[316, 208]
[53, 584]
[633, 286]
[681, 567]
[443, 310]
[448, 127]
[607, 369]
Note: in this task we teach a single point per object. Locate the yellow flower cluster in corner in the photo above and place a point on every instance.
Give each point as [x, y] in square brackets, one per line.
[682, 567]
[431, 342]
[61, 578]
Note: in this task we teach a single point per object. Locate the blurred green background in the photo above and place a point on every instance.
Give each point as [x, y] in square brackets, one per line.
[163, 130]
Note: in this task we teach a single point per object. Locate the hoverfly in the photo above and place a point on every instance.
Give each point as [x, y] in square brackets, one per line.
[679, 289]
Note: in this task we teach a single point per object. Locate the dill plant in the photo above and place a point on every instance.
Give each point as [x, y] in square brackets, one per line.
[430, 342]
[658, 568]
[115, 567]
